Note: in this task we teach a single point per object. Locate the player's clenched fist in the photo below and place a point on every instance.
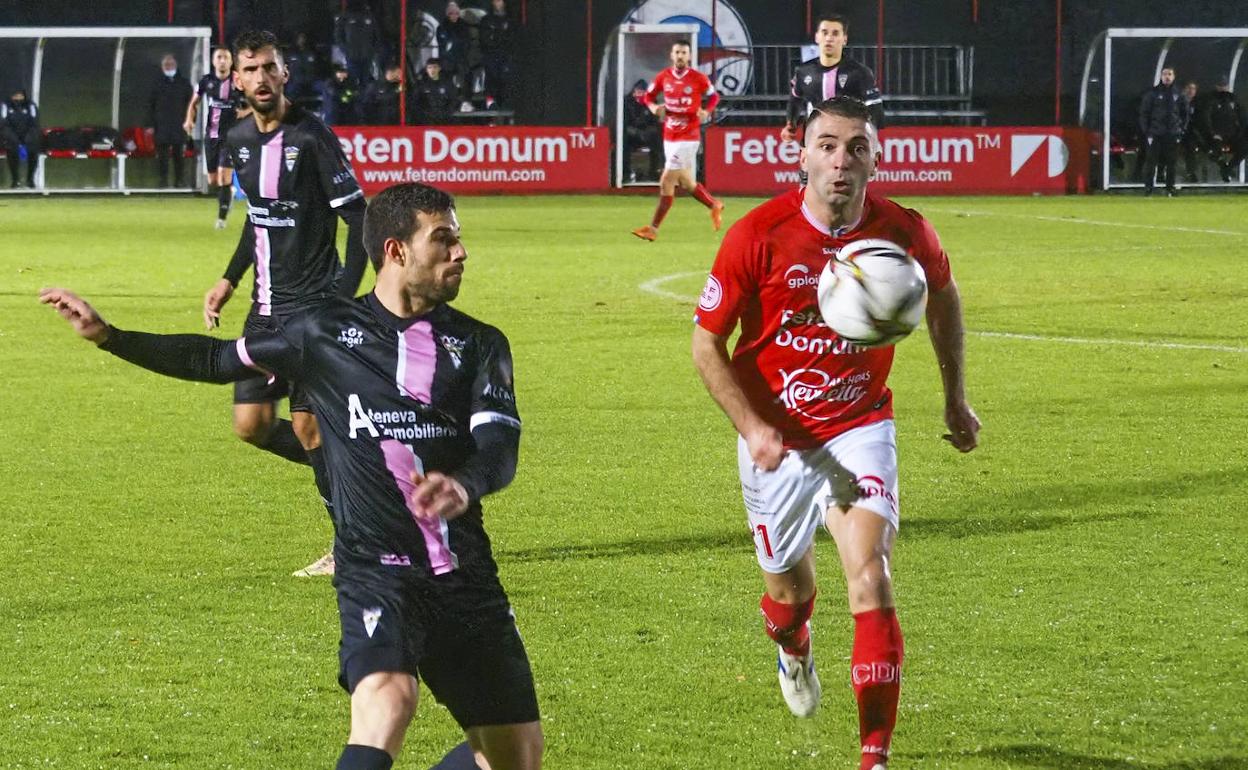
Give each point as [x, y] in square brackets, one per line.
[86, 322]
[437, 496]
[766, 447]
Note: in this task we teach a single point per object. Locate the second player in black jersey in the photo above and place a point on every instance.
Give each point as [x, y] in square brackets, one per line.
[417, 407]
[829, 75]
[221, 100]
[298, 183]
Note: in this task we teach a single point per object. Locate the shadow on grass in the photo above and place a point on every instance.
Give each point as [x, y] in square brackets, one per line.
[1032, 756]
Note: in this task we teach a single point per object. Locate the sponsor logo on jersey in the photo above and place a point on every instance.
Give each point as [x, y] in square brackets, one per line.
[454, 347]
[500, 392]
[396, 560]
[798, 276]
[371, 617]
[244, 154]
[351, 337]
[292, 155]
[712, 294]
[841, 79]
[808, 80]
[802, 390]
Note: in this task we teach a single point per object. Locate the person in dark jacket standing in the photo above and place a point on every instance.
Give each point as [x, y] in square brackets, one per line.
[166, 112]
[1222, 121]
[19, 127]
[454, 41]
[357, 38]
[494, 36]
[1163, 118]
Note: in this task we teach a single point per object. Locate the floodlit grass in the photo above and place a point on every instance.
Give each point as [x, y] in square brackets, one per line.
[1073, 593]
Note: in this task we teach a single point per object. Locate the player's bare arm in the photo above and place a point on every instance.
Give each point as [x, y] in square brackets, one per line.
[710, 356]
[944, 324]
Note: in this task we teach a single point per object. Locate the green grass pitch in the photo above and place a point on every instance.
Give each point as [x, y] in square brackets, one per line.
[1074, 594]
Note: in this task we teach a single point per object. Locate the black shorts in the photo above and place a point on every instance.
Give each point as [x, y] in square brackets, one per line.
[216, 155]
[456, 634]
[266, 388]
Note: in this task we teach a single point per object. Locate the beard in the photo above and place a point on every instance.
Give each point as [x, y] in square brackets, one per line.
[262, 108]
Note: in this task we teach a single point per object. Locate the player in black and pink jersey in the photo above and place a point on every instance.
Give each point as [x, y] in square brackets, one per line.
[216, 90]
[816, 443]
[298, 184]
[417, 409]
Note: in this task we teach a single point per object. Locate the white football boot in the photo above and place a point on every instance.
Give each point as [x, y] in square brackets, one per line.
[798, 682]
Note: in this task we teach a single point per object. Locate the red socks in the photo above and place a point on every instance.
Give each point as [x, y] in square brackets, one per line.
[876, 673]
[703, 196]
[786, 623]
[665, 203]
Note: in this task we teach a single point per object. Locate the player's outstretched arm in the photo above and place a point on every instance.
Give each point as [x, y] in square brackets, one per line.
[944, 325]
[710, 356]
[184, 356]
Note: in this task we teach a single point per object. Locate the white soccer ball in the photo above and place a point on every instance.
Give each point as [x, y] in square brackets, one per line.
[872, 293]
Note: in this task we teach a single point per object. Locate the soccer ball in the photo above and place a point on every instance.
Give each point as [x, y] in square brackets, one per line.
[872, 293]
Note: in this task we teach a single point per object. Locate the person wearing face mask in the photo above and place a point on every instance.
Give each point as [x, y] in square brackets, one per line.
[166, 113]
[19, 127]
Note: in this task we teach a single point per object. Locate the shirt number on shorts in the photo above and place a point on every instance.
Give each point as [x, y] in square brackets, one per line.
[761, 529]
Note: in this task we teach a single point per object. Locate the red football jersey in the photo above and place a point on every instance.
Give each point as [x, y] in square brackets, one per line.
[682, 97]
[797, 374]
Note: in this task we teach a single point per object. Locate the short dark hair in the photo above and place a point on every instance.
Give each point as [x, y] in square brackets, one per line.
[392, 214]
[844, 106]
[255, 40]
[836, 18]
[684, 43]
[225, 48]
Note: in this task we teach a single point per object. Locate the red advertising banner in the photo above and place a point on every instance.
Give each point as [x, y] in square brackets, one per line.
[917, 160]
[495, 159]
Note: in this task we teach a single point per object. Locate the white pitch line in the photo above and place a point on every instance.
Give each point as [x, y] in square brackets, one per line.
[653, 287]
[1097, 222]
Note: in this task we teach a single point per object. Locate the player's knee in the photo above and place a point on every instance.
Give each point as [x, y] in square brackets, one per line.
[385, 701]
[252, 429]
[870, 583]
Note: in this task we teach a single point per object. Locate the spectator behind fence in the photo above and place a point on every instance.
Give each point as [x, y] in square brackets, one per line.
[1193, 141]
[641, 130]
[435, 95]
[1222, 121]
[494, 35]
[357, 39]
[380, 102]
[304, 67]
[339, 97]
[454, 41]
[166, 112]
[19, 130]
[1163, 117]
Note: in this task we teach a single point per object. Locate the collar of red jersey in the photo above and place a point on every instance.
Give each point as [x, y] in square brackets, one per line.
[821, 227]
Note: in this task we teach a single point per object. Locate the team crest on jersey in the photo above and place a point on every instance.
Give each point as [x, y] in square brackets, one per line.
[371, 616]
[351, 337]
[688, 89]
[808, 80]
[454, 348]
[292, 155]
[842, 79]
[244, 154]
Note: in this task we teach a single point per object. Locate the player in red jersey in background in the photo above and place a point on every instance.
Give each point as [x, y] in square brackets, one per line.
[682, 89]
[817, 442]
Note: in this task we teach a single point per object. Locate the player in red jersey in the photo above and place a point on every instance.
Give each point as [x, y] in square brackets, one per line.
[814, 413]
[682, 114]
